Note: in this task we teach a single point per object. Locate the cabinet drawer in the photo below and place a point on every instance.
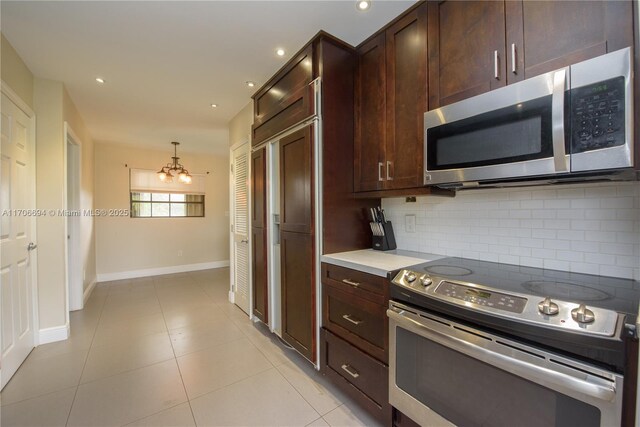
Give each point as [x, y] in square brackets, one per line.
[285, 100]
[369, 376]
[361, 322]
[356, 282]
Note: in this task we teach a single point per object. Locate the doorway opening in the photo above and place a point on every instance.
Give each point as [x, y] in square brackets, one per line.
[74, 265]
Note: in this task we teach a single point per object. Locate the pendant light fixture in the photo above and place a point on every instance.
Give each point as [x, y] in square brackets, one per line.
[165, 174]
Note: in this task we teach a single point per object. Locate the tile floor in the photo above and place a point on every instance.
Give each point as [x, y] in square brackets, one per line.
[170, 351]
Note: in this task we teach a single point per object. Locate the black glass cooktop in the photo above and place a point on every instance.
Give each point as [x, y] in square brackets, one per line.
[621, 295]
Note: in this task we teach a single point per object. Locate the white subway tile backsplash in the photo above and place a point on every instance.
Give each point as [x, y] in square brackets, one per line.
[557, 224]
[598, 258]
[554, 264]
[586, 228]
[557, 204]
[616, 248]
[570, 256]
[557, 244]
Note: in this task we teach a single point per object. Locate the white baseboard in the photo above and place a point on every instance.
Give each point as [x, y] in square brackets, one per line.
[232, 297]
[57, 333]
[90, 288]
[121, 275]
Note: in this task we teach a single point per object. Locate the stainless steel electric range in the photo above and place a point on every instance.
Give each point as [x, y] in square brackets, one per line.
[482, 343]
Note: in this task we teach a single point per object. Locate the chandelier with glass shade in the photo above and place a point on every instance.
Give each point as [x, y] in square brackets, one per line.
[166, 174]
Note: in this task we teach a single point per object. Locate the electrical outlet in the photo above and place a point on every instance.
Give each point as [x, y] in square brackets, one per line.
[180, 252]
[410, 223]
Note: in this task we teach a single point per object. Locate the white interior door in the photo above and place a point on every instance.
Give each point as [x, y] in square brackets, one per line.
[17, 231]
[240, 233]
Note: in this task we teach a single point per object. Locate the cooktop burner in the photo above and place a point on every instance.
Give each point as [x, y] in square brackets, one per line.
[565, 291]
[448, 270]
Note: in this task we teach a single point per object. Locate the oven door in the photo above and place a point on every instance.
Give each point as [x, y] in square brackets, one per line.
[512, 132]
[443, 373]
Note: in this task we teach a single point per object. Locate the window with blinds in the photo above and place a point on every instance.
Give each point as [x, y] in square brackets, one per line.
[152, 198]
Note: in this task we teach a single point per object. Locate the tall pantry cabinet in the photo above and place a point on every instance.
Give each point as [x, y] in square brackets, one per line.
[302, 179]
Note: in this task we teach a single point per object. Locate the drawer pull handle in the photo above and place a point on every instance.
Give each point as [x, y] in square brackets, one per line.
[351, 282]
[349, 370]
[348, 317]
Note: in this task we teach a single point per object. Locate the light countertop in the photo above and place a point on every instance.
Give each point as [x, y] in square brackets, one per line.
[378, 263]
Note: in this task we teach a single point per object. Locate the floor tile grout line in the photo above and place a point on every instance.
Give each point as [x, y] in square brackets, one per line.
[298, 391]
[184, 387]
[86, 357]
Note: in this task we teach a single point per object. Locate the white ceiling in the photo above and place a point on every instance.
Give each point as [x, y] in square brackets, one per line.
[165, 62]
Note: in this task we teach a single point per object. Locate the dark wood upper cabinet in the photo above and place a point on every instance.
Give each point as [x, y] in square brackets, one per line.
[477, 46]
[391, 99]
[296, 169]
[547, 35]
[369, 149]
[286, 99]
[466, 49]
[406, 62]
[258, 188]
[298, 292]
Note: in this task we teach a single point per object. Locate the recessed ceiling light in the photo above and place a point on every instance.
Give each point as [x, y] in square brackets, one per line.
[280, 52]
[214, 105]
[250, 84]
[363, 4]
[100, 80]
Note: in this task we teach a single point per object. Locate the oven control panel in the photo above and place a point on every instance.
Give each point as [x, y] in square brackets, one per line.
[482, 297]
[524, 308]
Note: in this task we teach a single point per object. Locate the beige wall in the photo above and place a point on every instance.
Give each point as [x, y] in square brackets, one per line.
[15, 73]
[87, 232]
[240, 125]
[129, 244]
[48, 102]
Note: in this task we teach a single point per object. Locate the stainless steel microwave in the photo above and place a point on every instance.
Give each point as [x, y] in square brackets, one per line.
[575, 122]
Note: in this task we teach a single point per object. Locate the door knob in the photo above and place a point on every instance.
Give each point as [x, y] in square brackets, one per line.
[31, 246]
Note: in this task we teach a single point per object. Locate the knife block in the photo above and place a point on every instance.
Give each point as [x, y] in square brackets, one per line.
[386, 242]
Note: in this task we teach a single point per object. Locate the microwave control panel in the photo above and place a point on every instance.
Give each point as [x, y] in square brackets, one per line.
[598, 116]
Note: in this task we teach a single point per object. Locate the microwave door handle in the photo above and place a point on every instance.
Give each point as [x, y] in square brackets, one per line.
[557, 121]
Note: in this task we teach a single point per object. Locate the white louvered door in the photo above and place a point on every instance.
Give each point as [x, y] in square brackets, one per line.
[241, 226]
[17, 231]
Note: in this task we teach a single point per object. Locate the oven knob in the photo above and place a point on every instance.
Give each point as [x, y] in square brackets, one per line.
[548, 307]
[426, 281]
[582, 314]
[411, 277]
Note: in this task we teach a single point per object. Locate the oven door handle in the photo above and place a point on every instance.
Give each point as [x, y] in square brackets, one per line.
[557, 121]
[538, 374]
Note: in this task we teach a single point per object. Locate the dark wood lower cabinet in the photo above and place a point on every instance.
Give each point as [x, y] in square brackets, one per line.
[259, 270]
[363, 378]
[355, 337]
[298, 292]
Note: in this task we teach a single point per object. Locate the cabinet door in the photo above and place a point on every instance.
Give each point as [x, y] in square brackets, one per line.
[406, 59]
[296, 193]
[547, 35]
[259, 273]
[286, 99]
[298, 292]
[466, 42]
[258, 187]
[370, 116]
